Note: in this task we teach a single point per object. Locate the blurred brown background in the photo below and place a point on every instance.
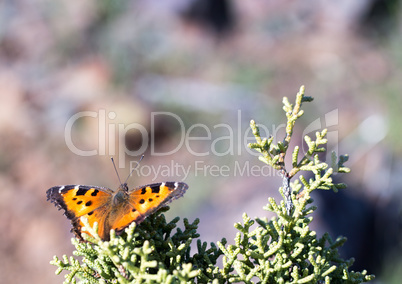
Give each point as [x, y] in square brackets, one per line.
[211, 63]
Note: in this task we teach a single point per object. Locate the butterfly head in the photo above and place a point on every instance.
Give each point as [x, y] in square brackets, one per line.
[121, 195]
[123, 187]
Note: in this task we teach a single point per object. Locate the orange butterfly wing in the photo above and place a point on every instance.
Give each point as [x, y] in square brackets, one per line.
[145, 200]
[112, 210]
[79, 201]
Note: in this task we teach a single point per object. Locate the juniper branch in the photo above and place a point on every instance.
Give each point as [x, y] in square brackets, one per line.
[280, 250]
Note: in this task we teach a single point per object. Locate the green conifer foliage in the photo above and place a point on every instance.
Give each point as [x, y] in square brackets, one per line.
[281, 250]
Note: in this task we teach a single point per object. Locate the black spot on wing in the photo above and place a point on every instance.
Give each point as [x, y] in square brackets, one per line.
[95, 192]
[89, 203]
[81, 191]
[156, 188]
[144, 190]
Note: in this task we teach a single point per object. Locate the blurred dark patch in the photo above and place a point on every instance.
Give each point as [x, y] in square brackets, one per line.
[163, 129]
[215, 15]
[133, 140]
[380, 18]
[372, 229]
[10, 49]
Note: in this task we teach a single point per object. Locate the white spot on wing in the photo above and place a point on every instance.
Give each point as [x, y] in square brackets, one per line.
[163, 184]
[61, 188]
[77, 187]
[176, 185]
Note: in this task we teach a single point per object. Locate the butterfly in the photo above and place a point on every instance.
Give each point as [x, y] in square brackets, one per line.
[112, 209]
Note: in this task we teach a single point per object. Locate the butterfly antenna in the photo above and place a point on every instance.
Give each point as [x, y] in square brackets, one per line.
[117, 173]
[138, 163]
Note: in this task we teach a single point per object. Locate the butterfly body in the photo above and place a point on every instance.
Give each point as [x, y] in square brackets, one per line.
[112, 209]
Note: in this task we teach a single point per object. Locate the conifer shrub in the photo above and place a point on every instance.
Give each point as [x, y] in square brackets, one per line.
[282, 249]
